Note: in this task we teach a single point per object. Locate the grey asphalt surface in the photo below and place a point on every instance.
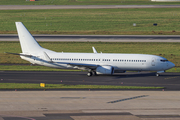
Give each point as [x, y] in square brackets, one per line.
[23, 7]
[89, 105]
[171, 81]
[97, 38]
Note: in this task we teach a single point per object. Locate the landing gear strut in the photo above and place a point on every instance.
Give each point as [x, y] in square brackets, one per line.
[94, 73]
[157, 74]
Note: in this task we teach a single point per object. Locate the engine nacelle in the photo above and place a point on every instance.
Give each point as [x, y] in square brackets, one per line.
[109, 70]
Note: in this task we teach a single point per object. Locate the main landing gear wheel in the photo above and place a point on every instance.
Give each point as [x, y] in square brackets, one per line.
[157, 74]
[89, 74]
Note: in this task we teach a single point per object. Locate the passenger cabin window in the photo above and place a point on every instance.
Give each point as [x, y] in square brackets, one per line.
[115, 60]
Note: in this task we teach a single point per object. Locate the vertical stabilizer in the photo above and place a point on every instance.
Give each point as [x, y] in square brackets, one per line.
[27, 41]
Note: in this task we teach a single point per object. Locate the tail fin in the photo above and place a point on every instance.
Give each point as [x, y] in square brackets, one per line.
[27, 41]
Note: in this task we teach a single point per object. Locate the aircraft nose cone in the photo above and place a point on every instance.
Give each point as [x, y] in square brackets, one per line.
[171, 65]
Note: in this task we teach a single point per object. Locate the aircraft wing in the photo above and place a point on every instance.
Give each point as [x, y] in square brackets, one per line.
[91, 66]
[84, 65]
[79, 65]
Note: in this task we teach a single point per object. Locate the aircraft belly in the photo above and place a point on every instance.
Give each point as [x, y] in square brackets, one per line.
[132, 67]
[54, 65]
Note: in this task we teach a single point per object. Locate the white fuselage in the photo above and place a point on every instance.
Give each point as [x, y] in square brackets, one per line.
[120, 62]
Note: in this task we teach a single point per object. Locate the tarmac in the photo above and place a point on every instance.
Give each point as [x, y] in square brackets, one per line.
[90, 105]
[87, 104]
[96, 38]
[170, 81]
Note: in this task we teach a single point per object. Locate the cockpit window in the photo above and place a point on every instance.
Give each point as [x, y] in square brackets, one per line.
[163, 60]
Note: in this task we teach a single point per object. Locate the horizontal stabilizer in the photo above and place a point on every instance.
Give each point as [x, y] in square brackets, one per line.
[19, 54]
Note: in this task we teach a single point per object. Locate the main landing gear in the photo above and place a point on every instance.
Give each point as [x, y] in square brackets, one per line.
[90, 73]
[157, 74]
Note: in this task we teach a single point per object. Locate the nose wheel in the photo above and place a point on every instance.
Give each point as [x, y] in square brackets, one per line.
[157, 74]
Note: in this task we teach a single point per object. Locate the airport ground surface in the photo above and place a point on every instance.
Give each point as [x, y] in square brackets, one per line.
[168, 80]
[89, 105]
[97, 38]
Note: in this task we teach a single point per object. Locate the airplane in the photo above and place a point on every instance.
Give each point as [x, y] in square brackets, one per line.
[95, 63]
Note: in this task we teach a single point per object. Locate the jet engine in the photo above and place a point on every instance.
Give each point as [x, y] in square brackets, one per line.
[109, 70]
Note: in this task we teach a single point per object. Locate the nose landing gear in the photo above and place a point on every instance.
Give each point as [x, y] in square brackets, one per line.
[157, 74]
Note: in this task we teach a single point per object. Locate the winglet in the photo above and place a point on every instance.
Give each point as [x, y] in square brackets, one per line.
[94, 50]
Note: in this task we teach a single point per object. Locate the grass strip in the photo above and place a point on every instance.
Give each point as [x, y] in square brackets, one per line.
[84, 2]
[64, 86]
[30, 68]
[175, 69]
[94, 21]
